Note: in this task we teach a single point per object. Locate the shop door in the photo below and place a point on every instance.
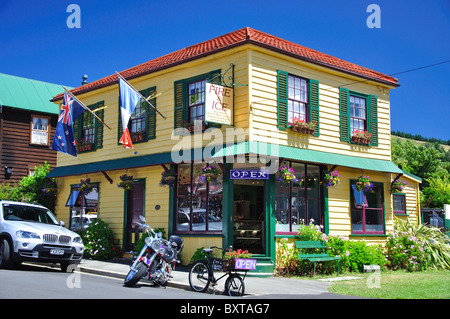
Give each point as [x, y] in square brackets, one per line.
[134, 208]
[249, 216]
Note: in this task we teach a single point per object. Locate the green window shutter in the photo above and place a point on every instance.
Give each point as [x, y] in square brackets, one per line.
[215, 78]
[179, 116]
[99, 126]
[344, 113]
[372, 116]
[282, 99]
[314, 104]
[77, 129]
[151, 115]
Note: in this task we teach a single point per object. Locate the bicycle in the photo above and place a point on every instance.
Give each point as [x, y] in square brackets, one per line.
[201, 274]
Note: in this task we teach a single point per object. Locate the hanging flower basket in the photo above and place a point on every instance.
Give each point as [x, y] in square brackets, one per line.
[168, 178]
[398, 186]
[85, 186]
[287, 175]
[126, 182]
[331, 179]
[364, 183]
[210, 172]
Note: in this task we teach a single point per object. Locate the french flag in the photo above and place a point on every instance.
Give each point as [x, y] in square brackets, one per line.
[129, 99]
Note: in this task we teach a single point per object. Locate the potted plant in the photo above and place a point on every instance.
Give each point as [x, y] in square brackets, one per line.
[168, 177]
[85, 186]
[331, 179]
[398, 186]
[287, 175]
[364, 183]
[311, 127]
[126, 182]
[297, 123]
[210, 172]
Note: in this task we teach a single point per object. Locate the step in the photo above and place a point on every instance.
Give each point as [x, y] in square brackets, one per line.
[264, 267]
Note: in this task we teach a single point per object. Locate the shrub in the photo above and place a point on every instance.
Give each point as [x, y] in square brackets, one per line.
[99, 241]
[287, 260]
[405, 251]
[359, 253]
[429, 240]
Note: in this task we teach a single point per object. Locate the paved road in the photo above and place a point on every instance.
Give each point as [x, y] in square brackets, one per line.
[33, 282]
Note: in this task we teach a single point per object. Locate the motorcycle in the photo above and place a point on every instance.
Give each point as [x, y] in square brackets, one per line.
[157, 258]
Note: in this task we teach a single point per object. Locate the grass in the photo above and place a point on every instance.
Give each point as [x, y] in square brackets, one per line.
[431, 284]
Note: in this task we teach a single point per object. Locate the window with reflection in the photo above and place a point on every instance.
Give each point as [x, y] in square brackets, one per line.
[198, 203]
[83, 207]
[301, 202]
[367, 210]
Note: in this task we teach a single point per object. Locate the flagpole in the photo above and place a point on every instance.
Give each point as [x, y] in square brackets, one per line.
[118, 74]
[85, 107]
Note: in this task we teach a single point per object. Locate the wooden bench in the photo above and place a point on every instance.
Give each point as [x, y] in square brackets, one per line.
[317, 257]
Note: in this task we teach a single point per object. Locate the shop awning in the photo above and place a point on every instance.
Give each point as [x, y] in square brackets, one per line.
[318, 157]
[122, 163]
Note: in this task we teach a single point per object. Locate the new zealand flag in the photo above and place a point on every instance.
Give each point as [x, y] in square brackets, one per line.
[64, 139]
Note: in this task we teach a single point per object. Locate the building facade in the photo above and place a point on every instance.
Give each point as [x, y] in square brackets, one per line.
[27, 124]
[289, 108]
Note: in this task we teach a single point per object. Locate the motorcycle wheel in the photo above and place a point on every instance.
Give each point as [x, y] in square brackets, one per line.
[234, 285]
[199, 277]
[134, 276]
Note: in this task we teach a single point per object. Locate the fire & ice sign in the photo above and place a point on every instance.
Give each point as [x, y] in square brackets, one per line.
[218, 104]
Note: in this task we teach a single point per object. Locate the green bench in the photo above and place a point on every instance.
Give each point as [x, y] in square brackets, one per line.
[318, 257]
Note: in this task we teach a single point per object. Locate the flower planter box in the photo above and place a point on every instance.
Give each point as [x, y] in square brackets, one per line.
[193, 128]
[85, 147]
[137, 137]
[303, 130]
[360, 140]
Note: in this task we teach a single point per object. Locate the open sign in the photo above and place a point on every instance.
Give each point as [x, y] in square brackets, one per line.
[249, 174]
[245, 264]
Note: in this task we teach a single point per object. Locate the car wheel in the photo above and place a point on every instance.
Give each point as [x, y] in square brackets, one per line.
[6, 258]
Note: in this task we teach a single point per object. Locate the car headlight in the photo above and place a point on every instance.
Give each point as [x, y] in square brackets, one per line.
[77, 240]
[27, 234]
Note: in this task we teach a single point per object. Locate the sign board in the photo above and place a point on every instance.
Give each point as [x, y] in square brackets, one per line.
[249, 174]
[245, 264]
[218, 104]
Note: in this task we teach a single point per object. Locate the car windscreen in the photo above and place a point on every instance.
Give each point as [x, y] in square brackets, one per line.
[28, 213]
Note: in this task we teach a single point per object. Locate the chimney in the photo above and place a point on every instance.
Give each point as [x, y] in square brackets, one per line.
[84, 77]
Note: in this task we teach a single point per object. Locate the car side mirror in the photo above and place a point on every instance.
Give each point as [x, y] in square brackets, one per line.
[62, 224]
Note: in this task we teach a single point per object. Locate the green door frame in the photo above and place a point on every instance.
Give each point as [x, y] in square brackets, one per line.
[125, 238]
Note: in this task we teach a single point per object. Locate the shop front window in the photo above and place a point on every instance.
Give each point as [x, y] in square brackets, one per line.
[83, 208]
[198, 202]
[299, 203]
[367, 210]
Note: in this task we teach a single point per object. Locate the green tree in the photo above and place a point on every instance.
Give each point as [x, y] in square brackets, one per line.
[437, 193]
[33, 189]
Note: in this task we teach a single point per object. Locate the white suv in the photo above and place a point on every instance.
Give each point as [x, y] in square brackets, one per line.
[32, 232]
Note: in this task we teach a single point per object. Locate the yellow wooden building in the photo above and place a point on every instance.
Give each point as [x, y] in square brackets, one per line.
[288, 107]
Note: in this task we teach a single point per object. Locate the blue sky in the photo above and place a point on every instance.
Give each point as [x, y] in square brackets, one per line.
[115, 35]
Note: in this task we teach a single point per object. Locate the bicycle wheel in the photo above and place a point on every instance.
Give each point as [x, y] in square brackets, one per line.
[199, 276]
[234, 285]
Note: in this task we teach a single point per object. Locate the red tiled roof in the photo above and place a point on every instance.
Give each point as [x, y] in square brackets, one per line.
[233, 39]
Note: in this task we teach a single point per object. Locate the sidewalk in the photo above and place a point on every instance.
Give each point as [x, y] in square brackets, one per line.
[254, 286]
